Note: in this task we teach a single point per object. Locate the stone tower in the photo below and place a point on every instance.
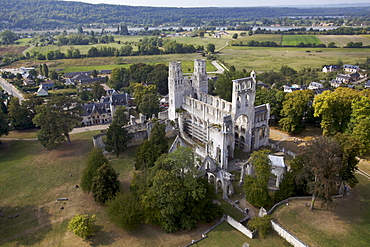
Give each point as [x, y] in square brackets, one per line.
[199, 78]
[176, 88]
[243, 110]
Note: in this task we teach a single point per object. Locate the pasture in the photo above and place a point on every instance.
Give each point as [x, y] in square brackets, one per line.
[277, 38]
[263, 59]
[293, 40]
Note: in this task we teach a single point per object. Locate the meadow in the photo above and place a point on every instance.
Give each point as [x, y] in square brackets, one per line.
[293, 40]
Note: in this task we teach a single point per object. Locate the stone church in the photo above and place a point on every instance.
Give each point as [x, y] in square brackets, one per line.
[214, 127]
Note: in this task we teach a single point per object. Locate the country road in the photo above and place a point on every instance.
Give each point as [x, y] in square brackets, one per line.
[11, 89]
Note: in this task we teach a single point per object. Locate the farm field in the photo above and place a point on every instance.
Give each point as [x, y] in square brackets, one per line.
[343, 40]
[347, 224]
[263, 59]
[261, 38]
[218, 42]
[293, 40]
[99, 63]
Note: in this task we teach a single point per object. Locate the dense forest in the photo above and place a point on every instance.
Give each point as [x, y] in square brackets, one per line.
[49, 14]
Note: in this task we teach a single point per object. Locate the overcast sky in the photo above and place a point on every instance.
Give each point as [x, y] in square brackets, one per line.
[219, 3]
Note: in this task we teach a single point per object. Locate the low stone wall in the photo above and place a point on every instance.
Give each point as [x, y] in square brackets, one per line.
[281, 149]
[284, 233]
[240, 227]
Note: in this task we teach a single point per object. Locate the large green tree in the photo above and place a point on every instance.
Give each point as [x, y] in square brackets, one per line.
[97, 90]
[19, 116]
[125, 211]
[149, 151]
[4, 126]
[295, 107]
[105, 183]
[360, 122]
[8, 37]
[255, 186]
[117, 134]
[56, 119]
[95, 160]
[322, 166]
[335, 109]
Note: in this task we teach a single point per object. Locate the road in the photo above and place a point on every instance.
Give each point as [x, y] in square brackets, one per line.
[11, 89]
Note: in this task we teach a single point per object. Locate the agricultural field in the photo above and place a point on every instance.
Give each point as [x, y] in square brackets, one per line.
[345, 224]
[263, 59]
[99, 63]
[14, 49]
[218, 42]
[277, 38]
[293, 40]
[343, 40]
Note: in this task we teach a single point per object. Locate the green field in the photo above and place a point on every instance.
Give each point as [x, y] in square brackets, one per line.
[226, 235]
[293, 40]
[262, 38]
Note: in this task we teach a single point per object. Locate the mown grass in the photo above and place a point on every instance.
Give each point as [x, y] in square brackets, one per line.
[262, 38]
[226, 235]
[22, 134]
[346, 224]
[293, 40]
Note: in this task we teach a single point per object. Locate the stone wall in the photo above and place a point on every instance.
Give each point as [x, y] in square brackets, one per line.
[293, 240]
[240, 227]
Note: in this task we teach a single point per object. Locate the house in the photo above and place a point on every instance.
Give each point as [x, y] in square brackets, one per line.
[330, 68]
[117, 99]
[351, 68]
[105, 71]
[28, 76]
[90, 80]
[343, 78]
[315, 85]
[291, 88]
[335, 83]
[367, 85]
[28, 82]
[47, 84]
[42, 91]
[72, 74]
[96, 113]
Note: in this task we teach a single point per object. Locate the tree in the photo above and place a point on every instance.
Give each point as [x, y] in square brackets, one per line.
[235, 36]
[8, 37]
[149, 105]
[295, 107]
[45, 70]
[359, 125]
[322, 159]
[335, 109]
[105, 183]
[261, 224]
[82, 225]
[97, 90]
[125, 211]
[117, 135]
[95, 160]
[255, 186]
[80, 29]
[332, 45]
[19, 115]
[149, 151]
[210, 47]
[159, 77]
[3, 124]
[56, 119]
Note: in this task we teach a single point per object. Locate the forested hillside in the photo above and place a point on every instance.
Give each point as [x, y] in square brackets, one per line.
[48, 14]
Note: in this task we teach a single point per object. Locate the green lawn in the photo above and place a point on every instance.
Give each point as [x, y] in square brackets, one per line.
[293, 40]
[347, 224]
[262, 38]
[226, 235]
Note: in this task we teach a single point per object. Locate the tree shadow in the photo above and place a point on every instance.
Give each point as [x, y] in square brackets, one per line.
[102, 237]
[26, 225]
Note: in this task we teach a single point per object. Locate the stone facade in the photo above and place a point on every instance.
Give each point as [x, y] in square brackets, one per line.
[213, 126]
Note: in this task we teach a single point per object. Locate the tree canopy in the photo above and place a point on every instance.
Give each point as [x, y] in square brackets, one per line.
[95, 160]
[105, 183]
[82, 225]
[56, 119]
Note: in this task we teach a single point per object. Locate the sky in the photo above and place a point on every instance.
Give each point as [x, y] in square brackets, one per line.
[219, 3]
